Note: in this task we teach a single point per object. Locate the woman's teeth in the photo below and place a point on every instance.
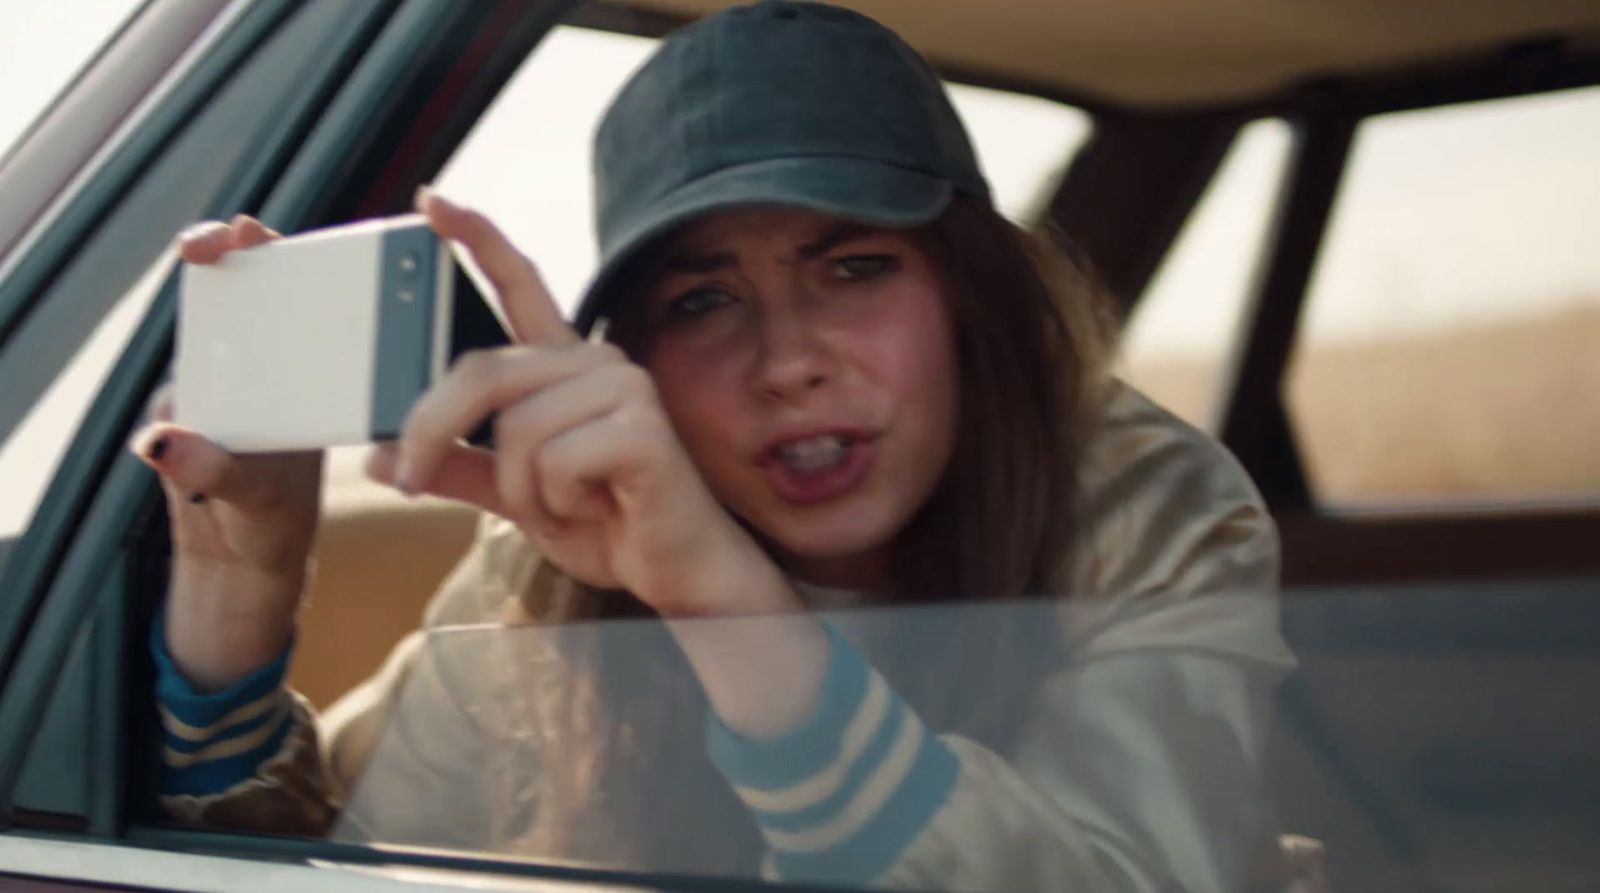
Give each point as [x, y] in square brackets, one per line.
[815, 454]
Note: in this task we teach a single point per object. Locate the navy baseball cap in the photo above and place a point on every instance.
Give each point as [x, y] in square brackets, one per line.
[786, 103]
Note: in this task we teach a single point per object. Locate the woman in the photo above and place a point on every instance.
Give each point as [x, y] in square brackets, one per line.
[836, 377]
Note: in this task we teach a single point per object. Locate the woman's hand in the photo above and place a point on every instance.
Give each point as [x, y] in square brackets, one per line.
[242, 525]
[586, 462]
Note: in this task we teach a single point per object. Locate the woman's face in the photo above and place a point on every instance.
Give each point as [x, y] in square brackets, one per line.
[808, 367]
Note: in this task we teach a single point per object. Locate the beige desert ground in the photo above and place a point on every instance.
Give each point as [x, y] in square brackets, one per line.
[1505, 411]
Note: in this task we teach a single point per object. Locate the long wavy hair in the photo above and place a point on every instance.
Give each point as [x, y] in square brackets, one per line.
[1031, 337]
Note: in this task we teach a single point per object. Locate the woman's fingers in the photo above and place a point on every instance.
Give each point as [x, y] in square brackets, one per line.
[532, 313]
[522, 430]
[249, 232]
[545, 397]
[198, 467]
[210, 241]
[480, 383]
[205, 243]
[464, 474]
[591, 464]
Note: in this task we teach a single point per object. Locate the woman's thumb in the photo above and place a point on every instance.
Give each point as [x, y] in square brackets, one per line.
[189, 462]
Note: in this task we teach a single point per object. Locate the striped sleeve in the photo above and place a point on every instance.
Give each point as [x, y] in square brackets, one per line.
[211, 742]
[842, 796]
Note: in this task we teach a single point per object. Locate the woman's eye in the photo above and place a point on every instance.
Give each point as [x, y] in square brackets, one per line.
[697, 303]
[863, 266]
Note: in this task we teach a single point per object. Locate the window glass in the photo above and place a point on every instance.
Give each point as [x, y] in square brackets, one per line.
[1444, 716]
[1451, 343]
[1180, 340]
[42, 46]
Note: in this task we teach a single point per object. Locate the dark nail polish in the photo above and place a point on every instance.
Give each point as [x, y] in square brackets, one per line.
[198, 498]
[157, 449]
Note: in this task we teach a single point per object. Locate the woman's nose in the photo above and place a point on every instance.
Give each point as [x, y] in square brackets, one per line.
[793, 358]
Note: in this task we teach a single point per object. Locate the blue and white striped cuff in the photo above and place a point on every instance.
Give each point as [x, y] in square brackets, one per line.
[211, 742]
[841, 797]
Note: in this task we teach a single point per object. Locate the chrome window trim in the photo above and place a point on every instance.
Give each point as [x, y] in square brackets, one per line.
[54, 160]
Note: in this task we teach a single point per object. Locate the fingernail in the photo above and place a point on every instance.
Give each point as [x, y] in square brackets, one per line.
[156, 450]
[198, 498]
[424, 192]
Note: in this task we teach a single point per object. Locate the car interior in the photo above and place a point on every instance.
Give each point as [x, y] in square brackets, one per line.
[1435, 737]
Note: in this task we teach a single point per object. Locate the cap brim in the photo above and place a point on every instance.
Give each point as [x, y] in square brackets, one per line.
[862, 190]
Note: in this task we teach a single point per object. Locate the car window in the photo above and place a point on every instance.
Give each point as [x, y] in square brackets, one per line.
[1180, 340]
[42, 47]
[1450, 347]
[1416, 714]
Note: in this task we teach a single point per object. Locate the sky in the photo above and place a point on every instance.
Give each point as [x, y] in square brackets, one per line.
[1467, 214]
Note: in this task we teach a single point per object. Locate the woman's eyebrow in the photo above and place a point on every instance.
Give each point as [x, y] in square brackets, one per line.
[687, 262]
[834, 237]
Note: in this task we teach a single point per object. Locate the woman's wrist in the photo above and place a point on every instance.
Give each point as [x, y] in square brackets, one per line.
[725, 574]
[759, 657]
[223, 621]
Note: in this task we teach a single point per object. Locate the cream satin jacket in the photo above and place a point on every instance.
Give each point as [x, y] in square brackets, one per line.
[1141, 768]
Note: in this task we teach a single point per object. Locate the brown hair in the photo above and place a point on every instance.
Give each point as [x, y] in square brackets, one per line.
[1031, 339]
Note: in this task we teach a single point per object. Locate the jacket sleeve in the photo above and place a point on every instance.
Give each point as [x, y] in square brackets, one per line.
[1140, 775]
[257, 757]
[1140, 766]
[245, 758]
[1136, 773]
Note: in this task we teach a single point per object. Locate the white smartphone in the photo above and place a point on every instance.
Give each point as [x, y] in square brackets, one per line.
[320, 339]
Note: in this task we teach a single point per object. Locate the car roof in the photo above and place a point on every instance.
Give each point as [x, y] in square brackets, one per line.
[1155, 53]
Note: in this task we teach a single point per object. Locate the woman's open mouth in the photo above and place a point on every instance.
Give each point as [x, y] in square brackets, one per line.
[818, 468]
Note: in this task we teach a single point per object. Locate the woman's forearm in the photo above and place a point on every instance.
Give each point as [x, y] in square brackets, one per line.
[761, 659]
[224, 622]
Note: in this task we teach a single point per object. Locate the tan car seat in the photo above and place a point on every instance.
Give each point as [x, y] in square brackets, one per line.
[379, 557]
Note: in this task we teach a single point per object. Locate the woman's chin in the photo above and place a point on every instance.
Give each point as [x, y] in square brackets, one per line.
[832, 551]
